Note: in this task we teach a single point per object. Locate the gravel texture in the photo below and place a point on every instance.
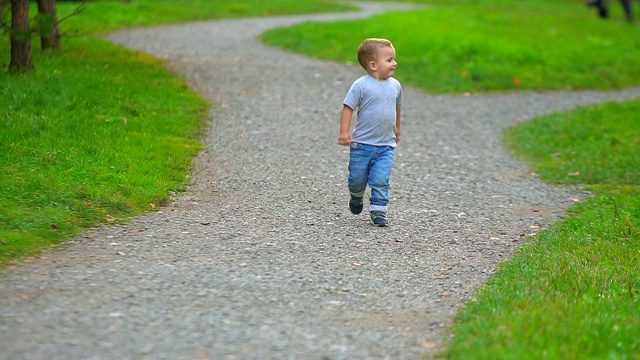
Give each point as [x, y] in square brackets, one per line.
[261, 258]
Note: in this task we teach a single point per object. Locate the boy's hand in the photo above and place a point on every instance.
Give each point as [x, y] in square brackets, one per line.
[344, 139]
[397, 136]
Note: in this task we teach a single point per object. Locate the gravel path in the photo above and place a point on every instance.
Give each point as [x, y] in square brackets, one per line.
[261, 258]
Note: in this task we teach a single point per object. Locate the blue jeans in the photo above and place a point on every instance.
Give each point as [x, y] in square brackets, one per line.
[371, 165]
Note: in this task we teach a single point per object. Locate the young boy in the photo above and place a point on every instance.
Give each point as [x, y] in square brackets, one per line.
[377, 97]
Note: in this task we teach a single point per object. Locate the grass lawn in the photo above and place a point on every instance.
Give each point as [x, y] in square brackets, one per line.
[83, 144]
[470, 46]
[574, 291]
[105, 16]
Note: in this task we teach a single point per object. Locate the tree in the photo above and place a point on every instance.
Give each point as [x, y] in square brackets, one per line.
[20, 37]
[48, 25]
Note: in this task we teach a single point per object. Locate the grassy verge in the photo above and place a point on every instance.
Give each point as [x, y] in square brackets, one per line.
[110, 15]
[83, 142]
[468, 46]
[574, 291]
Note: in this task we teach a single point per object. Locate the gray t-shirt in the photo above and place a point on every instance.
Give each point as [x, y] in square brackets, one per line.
[375, 102]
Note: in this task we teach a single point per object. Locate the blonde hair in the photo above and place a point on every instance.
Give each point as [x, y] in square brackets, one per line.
[368, 50]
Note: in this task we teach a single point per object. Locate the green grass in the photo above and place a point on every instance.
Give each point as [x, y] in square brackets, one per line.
[592, 145]
[455, 47]
[82, 141]
[109, 15]
[574, 291]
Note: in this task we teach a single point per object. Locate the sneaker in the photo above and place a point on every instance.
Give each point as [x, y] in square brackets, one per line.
[379, 218]
[355, 205]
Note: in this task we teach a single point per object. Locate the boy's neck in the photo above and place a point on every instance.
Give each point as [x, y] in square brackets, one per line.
[375, 76]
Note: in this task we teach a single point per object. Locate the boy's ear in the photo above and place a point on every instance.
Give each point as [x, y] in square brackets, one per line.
[372, 66]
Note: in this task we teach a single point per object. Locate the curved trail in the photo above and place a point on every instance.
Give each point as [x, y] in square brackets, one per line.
[261, 258]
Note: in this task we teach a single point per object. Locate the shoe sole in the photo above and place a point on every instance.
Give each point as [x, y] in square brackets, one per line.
[380, 225]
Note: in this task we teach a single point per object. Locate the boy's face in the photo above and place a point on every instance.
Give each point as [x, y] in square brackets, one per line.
[385, 65]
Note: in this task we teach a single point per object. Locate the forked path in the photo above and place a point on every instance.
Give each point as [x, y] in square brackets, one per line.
[261, 258]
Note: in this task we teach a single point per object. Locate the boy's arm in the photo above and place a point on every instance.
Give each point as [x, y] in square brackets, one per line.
[398, 124]
[345, 126]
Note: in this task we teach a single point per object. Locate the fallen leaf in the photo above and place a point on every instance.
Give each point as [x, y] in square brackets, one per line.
[576, 173]
[356, 264]
[202, 355]
[428, 345]
[153, 206]
[399, 240]
[54, 226]
[205, 223]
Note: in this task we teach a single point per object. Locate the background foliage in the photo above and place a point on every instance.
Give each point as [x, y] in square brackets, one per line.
[466, 46]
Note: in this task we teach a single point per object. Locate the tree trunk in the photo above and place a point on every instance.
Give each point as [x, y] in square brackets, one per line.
[50, 36]
[20, 37]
